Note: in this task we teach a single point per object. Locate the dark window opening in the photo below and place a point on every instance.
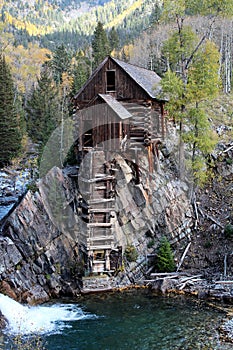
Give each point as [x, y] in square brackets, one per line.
[87, 134]
[111, 80]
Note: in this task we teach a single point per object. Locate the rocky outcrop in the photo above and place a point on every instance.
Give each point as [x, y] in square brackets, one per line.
[42, 246]
[38, 260]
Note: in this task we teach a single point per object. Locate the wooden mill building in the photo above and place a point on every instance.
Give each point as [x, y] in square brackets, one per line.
[118, 110]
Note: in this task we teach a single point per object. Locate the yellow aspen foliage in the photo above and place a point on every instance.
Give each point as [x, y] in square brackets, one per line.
[67, 81]
[119, 19]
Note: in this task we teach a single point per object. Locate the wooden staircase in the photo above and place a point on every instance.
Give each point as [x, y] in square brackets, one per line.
[96, 182]
[144, 125]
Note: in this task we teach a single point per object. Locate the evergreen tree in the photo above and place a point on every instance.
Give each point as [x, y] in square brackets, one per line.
[100, 45]
[165, 258]
[113, 39]
[81, 72]
[10, 134]
[192, 78]
[60, 63]
[43, 109]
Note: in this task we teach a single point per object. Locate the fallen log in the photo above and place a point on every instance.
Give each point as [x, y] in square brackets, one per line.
[163, 274]
[183, 256]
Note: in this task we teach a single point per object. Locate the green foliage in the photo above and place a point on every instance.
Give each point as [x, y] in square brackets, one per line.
[113, 38]
[150, 244]
[228, 230]
[192, 78]
[174, 9]
[100, 45]
[60, 63]
[32, 186]
[81, 72]
[131, 253]
[10, 118]
[43, 109]
[165, 258]
[207, 245]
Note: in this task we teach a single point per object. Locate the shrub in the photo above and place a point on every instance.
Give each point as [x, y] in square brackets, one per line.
[165, 258]
[228, 230]
[131, 253]
[150, 244]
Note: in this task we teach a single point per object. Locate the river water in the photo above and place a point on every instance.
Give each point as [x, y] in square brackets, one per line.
[121, 321]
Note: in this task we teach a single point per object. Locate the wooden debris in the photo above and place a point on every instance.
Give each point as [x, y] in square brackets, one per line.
[215, 221]
[223, 282]
[183, 256]
[163, 274]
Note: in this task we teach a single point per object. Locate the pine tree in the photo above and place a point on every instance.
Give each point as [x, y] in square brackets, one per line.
[81, 72]
[100, 45]
[60, 63]
[43, 109]
[10, 134]
[113, 39]
[165, 258]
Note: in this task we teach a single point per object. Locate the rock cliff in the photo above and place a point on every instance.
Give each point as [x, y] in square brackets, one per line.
[42, 244]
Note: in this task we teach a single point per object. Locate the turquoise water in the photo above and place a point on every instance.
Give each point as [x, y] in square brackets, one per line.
[141, 321]
[133, 320]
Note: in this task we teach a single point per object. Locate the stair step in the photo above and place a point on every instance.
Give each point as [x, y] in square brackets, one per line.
[101, 200]
[101, 210]
[99, 247]
[102, 238]
[99, 224]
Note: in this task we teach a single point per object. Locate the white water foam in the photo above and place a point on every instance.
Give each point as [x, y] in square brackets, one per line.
[39, 319]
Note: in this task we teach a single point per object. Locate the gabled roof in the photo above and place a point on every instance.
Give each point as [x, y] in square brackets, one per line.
[116, 106]
[148, 80]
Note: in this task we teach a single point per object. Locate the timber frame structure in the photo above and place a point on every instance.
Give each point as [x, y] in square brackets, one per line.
[118, 110]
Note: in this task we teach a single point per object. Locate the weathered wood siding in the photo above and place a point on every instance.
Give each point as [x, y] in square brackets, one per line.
[126, 87]
[103, 127]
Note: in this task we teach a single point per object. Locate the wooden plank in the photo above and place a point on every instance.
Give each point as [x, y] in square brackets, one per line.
[101, 210]
[97, 179]
[101, 200]
[163, 274]
[102, 238]
[98, 247]
[99, 224]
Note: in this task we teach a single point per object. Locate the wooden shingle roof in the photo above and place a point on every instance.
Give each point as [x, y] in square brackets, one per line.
[148, 80]
[120, 110]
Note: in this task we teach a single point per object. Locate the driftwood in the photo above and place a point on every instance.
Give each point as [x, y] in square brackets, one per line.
[215, 221]
[196, 214]
[183, 256]
[223, 282]
[187, 280]
[163, 274]
[228, 149]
